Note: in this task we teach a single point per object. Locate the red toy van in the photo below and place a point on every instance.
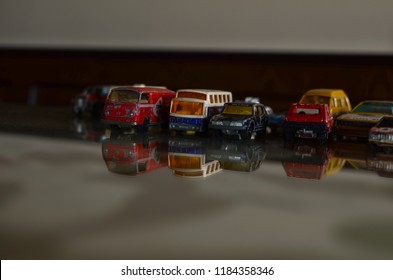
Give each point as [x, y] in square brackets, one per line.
[135, 156]
[137, 106]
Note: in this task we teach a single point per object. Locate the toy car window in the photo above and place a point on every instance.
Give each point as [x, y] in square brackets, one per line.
[144, 98]
[307, 111]
[185, 162]
[124, 96]
[187, 108]
[315, 99]
[238, 110]
[188, 94]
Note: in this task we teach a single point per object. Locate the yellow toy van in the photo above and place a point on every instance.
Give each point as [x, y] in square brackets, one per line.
[336, 99]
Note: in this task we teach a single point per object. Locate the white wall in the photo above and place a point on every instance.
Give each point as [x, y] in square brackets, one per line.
[335, 26]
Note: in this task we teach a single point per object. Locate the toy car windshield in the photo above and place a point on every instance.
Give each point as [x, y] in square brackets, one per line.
[124, 96]
[187, 108]
[374, 108]
[238, 110]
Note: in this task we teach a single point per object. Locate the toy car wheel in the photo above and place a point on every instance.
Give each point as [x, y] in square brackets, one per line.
[115, 131]
[97, 110]
[76, 111]
[289, 135]
[322, 136]
[214, 132]
[145, 126]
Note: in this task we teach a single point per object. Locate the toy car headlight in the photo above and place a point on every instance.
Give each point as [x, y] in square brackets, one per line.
[217, 123]
[373, 136]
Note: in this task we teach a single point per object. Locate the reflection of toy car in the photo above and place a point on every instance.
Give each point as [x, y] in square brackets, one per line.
[362, 118]
[308, 121]
[234, 155]
[137, 106]
[307, 161]
[382, 133]
[336, 99]
[382, 164]
[187, 158]
[135, 155]
[88, 129]
[91, 100]
[244, 119]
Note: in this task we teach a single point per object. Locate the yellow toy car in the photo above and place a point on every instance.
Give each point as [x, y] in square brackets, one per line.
[336, 99]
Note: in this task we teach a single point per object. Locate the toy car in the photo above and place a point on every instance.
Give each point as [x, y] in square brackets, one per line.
[137, 107]
[308, 121]
[307, 160]
[382, 164]
[336, 99]
[234, 155]
[275, 121]
[243, 119]
[187, 158]
[381, 134]
[135, 155]
[192, 109]
[91, 100]
[363, 117]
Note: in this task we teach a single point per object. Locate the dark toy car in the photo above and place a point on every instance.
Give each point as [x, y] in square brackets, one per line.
[364, 116]
[91, 100]
[308, 121]
[243, 119]
[234, 155]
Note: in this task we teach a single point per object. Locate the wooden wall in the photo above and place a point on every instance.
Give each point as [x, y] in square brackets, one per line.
[54, 77]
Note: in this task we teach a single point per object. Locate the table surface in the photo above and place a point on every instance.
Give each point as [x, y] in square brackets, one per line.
[70, 191]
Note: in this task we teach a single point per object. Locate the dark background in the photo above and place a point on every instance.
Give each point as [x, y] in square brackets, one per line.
[53, 77]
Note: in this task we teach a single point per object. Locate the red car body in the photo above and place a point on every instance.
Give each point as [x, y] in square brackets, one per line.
[137, 106]
[134, 157]
[308, 121]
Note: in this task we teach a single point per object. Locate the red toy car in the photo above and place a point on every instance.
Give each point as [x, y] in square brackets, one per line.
[381, 135]
[137, 106]
[135, 156]
[308, 121]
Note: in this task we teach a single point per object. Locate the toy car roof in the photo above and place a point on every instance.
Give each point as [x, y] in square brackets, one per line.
[377, 101]
[205, 91]
[309, 105]
[325, 92]
[242, 103]
[145, 89]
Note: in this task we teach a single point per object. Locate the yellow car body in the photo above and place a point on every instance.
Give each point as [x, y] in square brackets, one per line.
[336, 99]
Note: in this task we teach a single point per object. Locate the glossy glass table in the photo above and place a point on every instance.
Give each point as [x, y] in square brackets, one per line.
[69, 189]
